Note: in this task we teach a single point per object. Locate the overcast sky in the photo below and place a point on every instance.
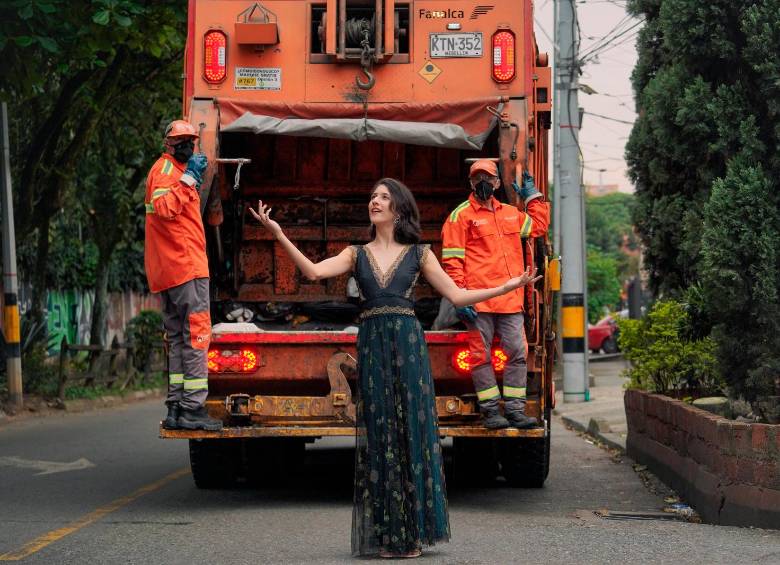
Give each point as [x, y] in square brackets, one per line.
[602, 140]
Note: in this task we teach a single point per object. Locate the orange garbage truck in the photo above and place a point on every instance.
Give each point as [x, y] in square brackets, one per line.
[306, 104]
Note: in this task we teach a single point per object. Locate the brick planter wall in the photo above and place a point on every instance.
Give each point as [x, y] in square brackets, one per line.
[728, 471]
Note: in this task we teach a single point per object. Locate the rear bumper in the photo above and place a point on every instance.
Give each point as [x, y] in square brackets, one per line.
[248, 432]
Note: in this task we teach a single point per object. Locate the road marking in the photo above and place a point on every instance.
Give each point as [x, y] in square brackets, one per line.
[50, 537]
[46, 467]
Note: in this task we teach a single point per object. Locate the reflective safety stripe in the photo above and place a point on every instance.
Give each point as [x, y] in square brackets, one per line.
[456, 211]
[167, 168]
[160, 192]
[176, 378]
[514, 392]
[453, 252]
[528, 225]
[488, 394]
[196, 384]
[149, 208]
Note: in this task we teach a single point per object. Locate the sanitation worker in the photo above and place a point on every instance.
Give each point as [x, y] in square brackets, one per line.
[481, 248]
[177, 268]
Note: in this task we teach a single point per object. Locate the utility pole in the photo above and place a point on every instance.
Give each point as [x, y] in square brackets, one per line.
[570, 212]
[10, 283]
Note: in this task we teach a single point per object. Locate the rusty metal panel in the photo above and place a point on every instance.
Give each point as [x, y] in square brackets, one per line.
[285, 272]
[420, 164]
[311, 168]
[285, 158]
[448, 163]
[395, 156]
[367, 162]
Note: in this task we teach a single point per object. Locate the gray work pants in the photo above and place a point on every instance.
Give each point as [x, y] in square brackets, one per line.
[510, 329]
[185, 310]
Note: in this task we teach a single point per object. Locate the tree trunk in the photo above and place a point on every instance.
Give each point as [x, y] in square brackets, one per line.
[39, 290]
[97, 333]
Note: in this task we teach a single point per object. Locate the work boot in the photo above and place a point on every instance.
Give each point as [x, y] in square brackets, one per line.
[198, 419]
[493, 420]
[171, 421]
[520, 421]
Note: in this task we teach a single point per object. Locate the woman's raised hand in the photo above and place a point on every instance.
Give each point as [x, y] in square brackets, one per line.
[263, 215]
[528, 277]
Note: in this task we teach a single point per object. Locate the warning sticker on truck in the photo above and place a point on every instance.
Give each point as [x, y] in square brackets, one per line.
[257, 78]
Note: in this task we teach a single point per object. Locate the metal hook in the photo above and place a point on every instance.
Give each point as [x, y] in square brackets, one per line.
[369, 84]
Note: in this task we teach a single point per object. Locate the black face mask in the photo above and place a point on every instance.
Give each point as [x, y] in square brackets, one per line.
[483, 190]
[183, 151]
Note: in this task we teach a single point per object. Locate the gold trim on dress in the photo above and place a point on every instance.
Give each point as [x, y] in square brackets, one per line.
[383, 279]
[379, 310]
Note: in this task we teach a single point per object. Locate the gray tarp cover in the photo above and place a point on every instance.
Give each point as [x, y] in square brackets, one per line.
[415, 133]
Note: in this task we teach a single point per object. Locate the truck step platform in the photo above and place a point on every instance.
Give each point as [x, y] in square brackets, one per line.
[321, 431]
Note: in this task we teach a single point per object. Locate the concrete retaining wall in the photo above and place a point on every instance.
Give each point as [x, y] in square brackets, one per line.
[728, 471]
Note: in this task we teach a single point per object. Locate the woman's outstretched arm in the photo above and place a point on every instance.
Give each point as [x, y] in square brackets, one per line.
[330, 267]
[462, 297]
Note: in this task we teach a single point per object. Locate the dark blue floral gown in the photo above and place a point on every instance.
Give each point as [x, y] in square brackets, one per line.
[400, 501]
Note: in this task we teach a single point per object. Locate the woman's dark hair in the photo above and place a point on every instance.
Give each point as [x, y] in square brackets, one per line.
[402, 202]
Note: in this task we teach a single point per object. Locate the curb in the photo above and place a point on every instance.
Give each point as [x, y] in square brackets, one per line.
[611, 440]
[81, 405]
[87, 404]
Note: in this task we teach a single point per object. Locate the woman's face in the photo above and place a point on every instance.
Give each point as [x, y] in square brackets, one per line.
[380, 207]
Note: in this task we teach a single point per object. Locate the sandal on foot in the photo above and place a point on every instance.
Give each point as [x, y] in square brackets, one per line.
[409, 555]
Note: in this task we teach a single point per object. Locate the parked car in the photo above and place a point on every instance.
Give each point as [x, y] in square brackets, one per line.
[602, 336]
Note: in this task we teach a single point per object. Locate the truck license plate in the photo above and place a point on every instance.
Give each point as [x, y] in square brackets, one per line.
[456, 44]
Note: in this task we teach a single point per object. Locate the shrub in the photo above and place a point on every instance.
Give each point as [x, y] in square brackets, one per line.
[662, 359]
[144, 330]
[39, 373]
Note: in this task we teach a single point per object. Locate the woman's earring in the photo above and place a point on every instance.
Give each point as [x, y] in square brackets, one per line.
[396, 220]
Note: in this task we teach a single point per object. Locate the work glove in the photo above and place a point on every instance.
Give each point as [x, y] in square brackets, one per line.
[528, 190]
[466, 313]
[193, 174]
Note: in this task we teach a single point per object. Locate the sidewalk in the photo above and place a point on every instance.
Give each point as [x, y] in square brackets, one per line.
[604, 416]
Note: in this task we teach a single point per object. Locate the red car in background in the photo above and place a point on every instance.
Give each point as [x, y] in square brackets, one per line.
[603, 336]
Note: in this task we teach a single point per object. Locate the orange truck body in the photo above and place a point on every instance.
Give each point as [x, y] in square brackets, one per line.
[277, 83]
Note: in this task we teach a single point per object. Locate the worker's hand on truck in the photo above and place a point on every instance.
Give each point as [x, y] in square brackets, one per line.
[528, 190]
[263, 216]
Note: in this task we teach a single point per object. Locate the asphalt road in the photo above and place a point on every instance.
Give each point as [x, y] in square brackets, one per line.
[133, 501]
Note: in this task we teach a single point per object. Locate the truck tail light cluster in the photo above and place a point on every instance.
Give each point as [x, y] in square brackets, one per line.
[462, 360]
[232, 360]
[503, 56]
[214, 56]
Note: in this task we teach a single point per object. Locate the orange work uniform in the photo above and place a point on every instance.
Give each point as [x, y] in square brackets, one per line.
[482, 248]
[175, 243]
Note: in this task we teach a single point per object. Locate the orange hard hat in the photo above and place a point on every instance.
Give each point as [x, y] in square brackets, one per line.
[484, 165]
[180, 128]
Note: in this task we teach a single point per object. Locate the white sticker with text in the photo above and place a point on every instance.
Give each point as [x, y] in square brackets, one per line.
[257, 78]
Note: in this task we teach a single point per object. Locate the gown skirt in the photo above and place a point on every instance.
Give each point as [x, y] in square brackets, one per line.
[400, 499]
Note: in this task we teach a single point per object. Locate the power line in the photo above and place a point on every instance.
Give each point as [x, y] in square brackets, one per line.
[618, 120]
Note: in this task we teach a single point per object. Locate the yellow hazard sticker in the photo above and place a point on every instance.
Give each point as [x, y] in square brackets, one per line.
[429, 71]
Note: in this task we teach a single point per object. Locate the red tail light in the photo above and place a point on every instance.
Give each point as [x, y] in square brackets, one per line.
[462, 360]
[214, 56]
[232, 360]
[503, 56]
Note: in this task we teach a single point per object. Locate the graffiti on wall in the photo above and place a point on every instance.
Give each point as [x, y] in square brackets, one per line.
[70, 315]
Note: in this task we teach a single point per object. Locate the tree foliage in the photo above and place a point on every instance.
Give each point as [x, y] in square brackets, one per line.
[87, 82]
[705, 156]
[603, 284]
[613, 251]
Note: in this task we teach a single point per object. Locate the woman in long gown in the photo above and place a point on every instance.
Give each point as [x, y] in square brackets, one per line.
[400, 501]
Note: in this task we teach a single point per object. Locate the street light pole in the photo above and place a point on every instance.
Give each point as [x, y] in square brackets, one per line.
[11, 328]
[568, 183]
